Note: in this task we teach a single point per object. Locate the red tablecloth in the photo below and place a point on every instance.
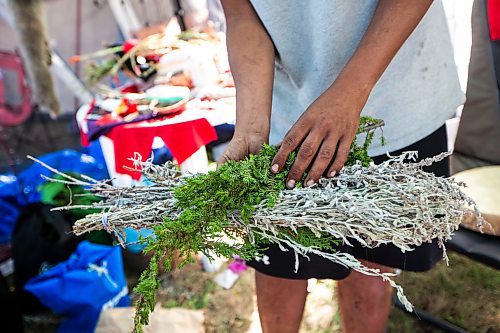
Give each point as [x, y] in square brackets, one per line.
[494, 18]
[183, 139]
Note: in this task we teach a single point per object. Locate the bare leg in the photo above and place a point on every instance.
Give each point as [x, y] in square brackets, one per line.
[365, 301]
[281, 303]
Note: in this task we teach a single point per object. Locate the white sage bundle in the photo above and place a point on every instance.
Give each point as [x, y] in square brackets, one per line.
[395, 202]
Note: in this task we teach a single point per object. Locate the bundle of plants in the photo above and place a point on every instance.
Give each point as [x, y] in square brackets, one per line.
[242, 207]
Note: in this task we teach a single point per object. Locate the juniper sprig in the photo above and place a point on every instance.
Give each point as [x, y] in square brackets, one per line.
[205, 203]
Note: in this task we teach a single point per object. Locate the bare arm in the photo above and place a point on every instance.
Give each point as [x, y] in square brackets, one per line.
[251, 56]
[329, 125]
[392, 24]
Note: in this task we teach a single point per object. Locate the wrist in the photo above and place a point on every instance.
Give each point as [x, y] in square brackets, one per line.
[356, 79]
[349, 89]
[257, 127]
[352, 84]
[252, 134]
[257, 133]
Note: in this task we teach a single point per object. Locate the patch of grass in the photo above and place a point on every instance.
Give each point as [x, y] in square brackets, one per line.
[189, 291]
[192, 301]
[230, 311]
[466, 294]
[226, 311]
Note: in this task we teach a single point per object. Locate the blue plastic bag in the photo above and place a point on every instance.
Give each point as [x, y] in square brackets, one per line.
[133, 237]
[91, 280]
[18, 192]
[66, 160]
[9, 206]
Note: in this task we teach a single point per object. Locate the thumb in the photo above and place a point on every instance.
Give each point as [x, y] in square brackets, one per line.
[234, 152]
[223, 159]
[228, 155]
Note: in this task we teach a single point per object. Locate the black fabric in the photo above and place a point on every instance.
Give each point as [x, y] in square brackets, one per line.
[495, 48]
[42, 237]
[283, 265]
[10, 310]
[224, 132]
[420, 259]
[480, 247]
[424, 257]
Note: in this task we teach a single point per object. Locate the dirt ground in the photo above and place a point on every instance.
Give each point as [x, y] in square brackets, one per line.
[466, 293]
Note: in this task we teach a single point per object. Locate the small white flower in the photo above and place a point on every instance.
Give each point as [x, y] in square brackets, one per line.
[264, 259]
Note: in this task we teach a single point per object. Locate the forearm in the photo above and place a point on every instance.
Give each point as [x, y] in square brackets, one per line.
[392, 24]
[251, 56]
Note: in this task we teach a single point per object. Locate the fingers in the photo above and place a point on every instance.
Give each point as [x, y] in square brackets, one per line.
[312, 149]
[239, 148]
[341, 157]
[305, 155]
[323, 159]
[291, 141]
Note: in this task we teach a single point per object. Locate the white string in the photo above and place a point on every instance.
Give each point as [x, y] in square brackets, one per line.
[102, 270]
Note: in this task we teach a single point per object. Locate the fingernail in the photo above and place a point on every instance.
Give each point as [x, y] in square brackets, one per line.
[290, 183]
[310, 182]
[332, 174]
[275, 168]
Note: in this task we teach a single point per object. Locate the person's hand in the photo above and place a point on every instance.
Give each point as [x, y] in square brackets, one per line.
[242, 145]
[324, 134]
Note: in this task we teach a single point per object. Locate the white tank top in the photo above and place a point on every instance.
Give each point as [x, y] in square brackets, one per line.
[314, 40]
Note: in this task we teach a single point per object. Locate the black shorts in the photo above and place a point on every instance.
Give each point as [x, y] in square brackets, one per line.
[421, 258]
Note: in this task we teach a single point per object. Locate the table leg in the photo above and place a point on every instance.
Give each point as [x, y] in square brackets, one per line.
[197, 163]
[108, 150]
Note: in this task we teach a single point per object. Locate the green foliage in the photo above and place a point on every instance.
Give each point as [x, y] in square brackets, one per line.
[147, 286]
[307, 238]
[193, 300]
[96, 72]
[359, 153]
[206, 201]
[59, 195]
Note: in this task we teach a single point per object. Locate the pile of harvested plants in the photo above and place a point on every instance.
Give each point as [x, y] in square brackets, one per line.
[242, 206]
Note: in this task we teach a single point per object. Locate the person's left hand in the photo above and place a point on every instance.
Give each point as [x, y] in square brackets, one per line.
[324, 133]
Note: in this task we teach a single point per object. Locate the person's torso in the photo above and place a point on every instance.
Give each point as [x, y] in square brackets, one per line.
[314, 39]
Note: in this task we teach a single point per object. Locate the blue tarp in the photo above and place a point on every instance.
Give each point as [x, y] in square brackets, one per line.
[65, 161]
[17, 192]
[78, 289]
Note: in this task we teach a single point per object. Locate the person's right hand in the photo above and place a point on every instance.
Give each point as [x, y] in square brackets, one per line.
[241, 146]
